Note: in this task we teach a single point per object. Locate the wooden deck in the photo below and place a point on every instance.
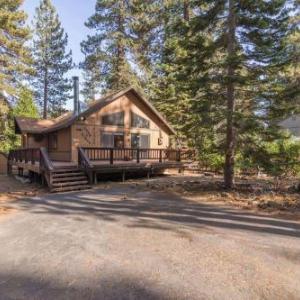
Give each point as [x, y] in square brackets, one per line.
[99, 165]
[94, 161]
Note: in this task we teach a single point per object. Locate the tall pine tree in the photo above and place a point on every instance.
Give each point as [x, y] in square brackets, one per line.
[14, 56]
[106, 63]
[52, 61]
[236, 67]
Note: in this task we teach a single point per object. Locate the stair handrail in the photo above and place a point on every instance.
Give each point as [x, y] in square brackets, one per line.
[83, 160]
[85, 164]
[46, 166]
[45, 162]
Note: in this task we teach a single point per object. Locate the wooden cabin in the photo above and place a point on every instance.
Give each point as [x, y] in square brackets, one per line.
[120, 132]
[120, 120]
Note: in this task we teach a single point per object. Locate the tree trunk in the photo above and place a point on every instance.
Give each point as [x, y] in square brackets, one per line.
[230, 131]
[186, 10]
[45, 106]
[120, 45]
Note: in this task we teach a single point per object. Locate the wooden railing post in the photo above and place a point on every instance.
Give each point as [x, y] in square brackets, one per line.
[178, 155]
[138, 155]
[111, 156]
[160, 155]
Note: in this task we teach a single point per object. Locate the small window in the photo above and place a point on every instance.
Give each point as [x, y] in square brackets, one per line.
[116, 119]
[138, 121]
[53, 141]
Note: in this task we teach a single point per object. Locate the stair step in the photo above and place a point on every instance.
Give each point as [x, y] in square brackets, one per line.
[72, 178]
[70, 188]
[70, 183]
[57, 171]
[59, 175]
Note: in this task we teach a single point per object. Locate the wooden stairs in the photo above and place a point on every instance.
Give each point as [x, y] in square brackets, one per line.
[66, 180]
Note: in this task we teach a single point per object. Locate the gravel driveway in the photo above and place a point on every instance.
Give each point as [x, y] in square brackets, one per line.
[124, 243]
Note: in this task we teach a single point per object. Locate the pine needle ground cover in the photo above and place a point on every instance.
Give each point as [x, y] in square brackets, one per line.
[264, 194]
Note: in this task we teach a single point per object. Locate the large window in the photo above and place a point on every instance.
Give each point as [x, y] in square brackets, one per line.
[112, 139]
[116, 119]
[138, 121]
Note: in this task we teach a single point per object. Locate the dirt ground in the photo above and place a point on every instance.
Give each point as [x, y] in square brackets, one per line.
[12, 189]
[257, 194]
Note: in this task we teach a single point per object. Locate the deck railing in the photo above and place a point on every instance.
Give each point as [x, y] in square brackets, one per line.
[33, 156]
[26, 155]
[84, 163]
[134, 154]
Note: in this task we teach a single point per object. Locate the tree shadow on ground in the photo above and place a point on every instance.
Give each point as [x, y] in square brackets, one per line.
[164, 211]
[114, 286]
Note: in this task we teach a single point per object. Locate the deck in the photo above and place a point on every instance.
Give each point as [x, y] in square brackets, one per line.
[94, 161]
[99, 166]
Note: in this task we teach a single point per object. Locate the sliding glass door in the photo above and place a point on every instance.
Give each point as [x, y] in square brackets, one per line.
[140, 140]
[112, 139]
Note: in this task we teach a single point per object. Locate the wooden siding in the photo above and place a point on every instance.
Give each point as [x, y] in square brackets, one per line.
[63, 150]
[87, 133]
[34, 141]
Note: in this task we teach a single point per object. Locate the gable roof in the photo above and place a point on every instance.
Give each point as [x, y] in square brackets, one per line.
[31, 125]
[41, 126]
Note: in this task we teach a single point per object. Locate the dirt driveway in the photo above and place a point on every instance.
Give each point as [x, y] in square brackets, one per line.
[127, 243]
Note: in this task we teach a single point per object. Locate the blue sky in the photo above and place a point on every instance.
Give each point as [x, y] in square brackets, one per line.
[72, 15]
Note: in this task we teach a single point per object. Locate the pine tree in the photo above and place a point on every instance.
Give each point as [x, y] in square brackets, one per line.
[14, 56]
[145, 29]
[8, 139]
[107, 52]
[25, 106]
[167, 91]
[237, 65]
[52, 61]
[289, 75]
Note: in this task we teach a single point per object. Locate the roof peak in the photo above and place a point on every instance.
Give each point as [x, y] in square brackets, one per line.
[69, 118]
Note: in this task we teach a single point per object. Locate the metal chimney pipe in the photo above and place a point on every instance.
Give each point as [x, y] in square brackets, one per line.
[76, 95]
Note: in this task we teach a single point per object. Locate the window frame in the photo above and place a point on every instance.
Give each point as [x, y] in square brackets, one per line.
[113, 134]
[121, 124]
[132, 125]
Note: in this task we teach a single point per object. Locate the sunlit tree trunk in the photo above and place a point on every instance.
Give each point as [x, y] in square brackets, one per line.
[230, 131]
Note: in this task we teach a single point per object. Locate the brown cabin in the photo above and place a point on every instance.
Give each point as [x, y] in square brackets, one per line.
[121, 120]
[121, 132]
